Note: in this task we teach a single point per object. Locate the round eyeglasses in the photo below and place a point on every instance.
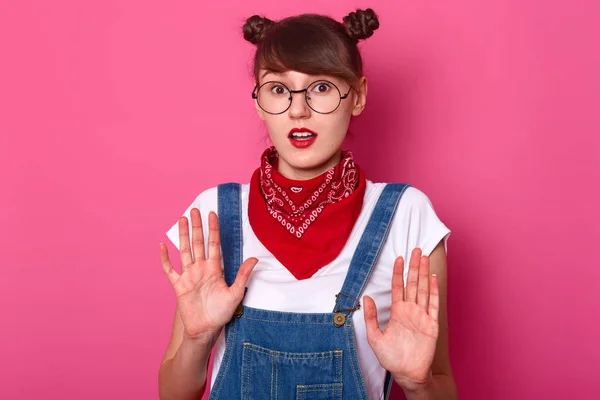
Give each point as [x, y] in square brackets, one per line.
[321, 96]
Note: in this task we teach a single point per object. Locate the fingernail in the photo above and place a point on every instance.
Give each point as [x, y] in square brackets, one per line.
[433, 274]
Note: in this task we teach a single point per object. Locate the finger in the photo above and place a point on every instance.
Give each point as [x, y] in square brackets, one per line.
[434, 300]
[197, 235]
[166, 265]
[374, 334]
[184, 243]
[214, 238]
[243, 275]
[413, 275]
[398, 280]
[423, 286]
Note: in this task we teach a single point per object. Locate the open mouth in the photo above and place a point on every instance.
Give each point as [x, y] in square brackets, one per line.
[302, 137]
[302, 134]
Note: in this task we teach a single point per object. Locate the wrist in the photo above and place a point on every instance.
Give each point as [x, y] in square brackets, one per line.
[195, 349]
[415, 389]
[203, 339]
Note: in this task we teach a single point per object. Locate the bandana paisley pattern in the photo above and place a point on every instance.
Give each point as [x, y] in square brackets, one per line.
[336, 184]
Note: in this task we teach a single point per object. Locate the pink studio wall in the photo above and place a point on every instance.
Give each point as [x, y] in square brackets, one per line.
[114, 115]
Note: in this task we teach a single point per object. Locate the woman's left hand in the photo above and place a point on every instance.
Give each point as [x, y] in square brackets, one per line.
[407, 345]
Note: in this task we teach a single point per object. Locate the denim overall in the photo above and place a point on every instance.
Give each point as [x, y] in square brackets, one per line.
[304, 356]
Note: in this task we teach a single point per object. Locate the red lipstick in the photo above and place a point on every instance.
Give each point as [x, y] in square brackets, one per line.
[302, 138]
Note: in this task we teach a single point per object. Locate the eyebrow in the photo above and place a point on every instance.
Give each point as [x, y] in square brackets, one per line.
[271, 72]
[281, 74]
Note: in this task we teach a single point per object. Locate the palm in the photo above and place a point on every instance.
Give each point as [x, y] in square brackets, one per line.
[204, 300]
[407, 345]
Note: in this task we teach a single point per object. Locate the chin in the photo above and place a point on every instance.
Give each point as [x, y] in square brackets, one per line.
[308, 162]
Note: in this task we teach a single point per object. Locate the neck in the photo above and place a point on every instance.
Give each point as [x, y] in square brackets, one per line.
[304, 174]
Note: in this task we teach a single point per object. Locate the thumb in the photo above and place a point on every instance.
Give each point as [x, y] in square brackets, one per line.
[373, 331]
[243, 275]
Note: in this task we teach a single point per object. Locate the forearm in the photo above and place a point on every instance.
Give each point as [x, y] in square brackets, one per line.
[440, 387]
[184, 376]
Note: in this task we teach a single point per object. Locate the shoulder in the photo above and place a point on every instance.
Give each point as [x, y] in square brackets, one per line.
[416, 223]
[208, 195]
[412, 197]
[205, 201]
[208, 199]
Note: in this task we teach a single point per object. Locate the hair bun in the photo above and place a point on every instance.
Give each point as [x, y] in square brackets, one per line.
[255, 28]
[361, 24]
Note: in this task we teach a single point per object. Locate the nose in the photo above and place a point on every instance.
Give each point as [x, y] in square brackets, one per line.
[299, 108]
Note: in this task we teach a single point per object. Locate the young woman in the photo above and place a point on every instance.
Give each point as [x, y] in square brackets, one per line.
[319, 309]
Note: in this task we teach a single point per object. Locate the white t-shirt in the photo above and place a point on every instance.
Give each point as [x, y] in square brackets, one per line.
[271, 286]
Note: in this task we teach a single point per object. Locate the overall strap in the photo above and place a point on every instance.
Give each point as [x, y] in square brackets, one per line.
[365, 257]
[368, 249]
[230, 226]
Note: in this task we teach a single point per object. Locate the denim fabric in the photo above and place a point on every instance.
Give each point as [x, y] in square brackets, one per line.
[308, 356]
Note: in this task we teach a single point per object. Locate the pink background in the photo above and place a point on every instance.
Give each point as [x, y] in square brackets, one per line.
[115, 114]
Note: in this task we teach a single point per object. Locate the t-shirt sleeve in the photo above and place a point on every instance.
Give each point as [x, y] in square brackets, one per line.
[205, 202]
[417, 225]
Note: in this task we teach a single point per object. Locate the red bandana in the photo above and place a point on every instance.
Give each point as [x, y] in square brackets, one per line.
[305, 224]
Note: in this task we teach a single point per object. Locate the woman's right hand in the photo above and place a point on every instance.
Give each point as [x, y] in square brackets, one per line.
[204, 300]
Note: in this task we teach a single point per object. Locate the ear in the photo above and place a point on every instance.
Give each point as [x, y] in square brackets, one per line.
[360, 96]
[259, 111]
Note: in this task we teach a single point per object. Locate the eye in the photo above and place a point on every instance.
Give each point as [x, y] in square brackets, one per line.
[321, 87]
[278, 89]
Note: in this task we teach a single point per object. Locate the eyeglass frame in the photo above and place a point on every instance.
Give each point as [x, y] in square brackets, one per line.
[305, 90]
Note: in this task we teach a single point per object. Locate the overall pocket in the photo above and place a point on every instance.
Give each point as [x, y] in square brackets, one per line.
[319, 392]
[278, 375]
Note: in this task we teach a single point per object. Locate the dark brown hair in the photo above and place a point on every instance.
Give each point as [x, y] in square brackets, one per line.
[310, 43]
